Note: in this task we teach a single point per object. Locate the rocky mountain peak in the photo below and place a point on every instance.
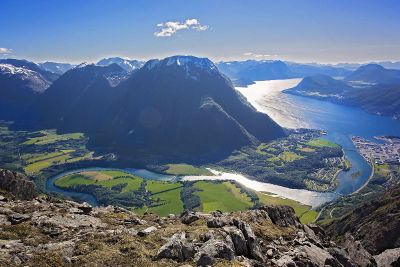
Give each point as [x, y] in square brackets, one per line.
[190, 64]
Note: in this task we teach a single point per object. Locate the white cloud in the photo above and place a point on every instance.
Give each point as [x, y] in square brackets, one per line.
[4, 50]
[171, 27]
[251, 54]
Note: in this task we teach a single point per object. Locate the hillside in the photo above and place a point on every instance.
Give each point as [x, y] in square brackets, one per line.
[21, 82]
[375, 223]
[49, 232]
[180, 106]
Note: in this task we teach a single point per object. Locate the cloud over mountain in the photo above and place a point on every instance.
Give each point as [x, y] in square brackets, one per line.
[4, 50]
[171, 27]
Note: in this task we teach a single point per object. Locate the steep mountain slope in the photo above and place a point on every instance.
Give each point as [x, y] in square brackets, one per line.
[375, 224]
[182, 105]
[75, 101]
[20, 63]
[126, 64]
[20, 84]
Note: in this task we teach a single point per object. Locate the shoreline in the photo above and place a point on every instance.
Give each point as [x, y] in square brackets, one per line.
[368, 180]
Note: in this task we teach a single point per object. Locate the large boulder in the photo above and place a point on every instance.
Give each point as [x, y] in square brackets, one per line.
[219, 245]
[177, 248]
[253, 245]
[17, 184]
[238, 239]
[282, 215]
[390, 257]
[187, 217]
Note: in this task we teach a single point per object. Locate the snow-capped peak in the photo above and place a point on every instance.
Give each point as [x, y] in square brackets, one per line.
[83, 65]
[187, 62]
[12, 70]
[193, 66]
[125, 63]
[33, 78]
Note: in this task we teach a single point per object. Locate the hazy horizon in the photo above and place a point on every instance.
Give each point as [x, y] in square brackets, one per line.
[299, 31]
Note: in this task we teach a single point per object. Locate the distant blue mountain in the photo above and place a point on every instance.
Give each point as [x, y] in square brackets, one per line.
[243, 73]
[127, 64]
[21, 82]
[55, 67]
[370, 87]
[374, 73]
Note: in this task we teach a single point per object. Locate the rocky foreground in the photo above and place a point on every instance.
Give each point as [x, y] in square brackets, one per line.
[50, 232]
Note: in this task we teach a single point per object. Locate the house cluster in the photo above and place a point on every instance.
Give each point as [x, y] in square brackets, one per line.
[380, 153]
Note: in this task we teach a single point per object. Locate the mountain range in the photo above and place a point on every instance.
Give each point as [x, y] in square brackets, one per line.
[370, 87]
[244, 73]
[177, 106]
[127, 64]
[21, 82]
[180, 105]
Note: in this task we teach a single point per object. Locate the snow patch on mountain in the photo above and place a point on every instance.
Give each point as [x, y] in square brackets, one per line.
[190, 64]
[34, 79]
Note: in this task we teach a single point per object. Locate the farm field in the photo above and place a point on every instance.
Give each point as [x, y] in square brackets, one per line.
[186, 169]
[107, 179]
[221, 196]
[167, 197]
[322, 143]
[35, 152]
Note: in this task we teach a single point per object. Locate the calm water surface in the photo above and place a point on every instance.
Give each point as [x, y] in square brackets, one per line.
[341, 122]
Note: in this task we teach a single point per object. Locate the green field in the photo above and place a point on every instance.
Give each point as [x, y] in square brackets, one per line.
[167, 195]
[50, 136]
[304, 212]
[186, 169]
[118, 177]
[221, 196]
[289, 156]
[321, 143]
[38, 162]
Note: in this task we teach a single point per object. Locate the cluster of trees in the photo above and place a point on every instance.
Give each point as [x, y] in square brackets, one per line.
[190, 200]
[113, 196]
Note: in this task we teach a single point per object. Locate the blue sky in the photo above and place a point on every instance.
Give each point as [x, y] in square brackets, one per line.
[298, 30]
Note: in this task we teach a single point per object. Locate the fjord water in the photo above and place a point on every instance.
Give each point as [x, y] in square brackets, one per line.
[340, 122]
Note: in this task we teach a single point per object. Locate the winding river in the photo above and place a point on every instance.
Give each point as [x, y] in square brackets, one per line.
[291, 111]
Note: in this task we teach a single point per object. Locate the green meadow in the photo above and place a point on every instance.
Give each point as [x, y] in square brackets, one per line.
[221, 196]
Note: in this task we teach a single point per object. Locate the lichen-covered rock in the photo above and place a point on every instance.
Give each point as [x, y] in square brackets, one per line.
[238, 239]
[17, 184]
[390, 257]
[282, 215]
[147, 231]
[177, 248]
[215, 248]
[187, 217]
